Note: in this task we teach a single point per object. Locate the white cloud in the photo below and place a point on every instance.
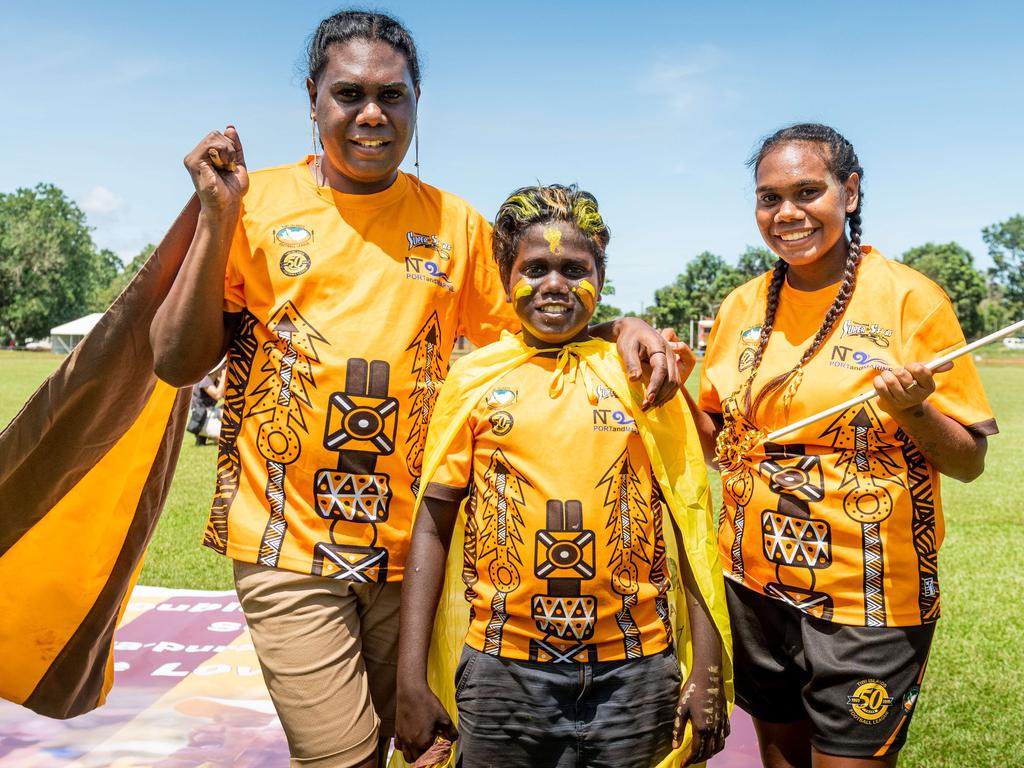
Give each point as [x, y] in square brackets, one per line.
[101, 200]
[685, 81]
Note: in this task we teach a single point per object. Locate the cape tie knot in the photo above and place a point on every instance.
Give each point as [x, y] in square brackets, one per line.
[568, 365]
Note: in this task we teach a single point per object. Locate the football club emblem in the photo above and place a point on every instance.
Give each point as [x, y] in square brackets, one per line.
[501, 398]
[293, 236]
[501, 423]
[870, 702]
[748, 343]
[295, 263]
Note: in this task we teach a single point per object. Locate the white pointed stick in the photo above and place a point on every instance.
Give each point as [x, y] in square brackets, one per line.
[783, 431]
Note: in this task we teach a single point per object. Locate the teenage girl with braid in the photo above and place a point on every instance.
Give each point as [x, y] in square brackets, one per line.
[829, 537]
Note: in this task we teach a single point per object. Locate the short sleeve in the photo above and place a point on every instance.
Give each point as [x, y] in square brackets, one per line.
[708, 399]
[483, 311]
[234, 280]
[958, 393]
[451, 479]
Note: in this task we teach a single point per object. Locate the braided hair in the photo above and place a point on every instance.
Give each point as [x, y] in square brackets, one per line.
[842, 162]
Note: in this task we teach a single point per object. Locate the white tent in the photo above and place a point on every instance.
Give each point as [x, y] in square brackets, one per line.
[64, 337]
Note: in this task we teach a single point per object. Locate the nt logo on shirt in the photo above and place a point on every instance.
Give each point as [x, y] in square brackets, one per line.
[417, 268]
[611, 420]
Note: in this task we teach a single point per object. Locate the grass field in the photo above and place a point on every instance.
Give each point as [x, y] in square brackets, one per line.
[971, 711]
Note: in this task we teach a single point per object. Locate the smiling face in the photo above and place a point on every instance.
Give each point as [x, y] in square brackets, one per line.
[801, 212]
[365, 106]
[553, 284]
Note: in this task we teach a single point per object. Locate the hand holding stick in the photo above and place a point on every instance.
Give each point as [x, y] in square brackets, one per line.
[783, 431]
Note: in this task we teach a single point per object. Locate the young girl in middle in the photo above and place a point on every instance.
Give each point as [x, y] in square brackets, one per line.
[576, 502]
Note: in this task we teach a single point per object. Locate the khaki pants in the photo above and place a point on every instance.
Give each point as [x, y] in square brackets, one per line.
[328, 650]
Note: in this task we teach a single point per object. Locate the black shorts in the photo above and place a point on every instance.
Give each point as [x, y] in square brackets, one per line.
[856, 685]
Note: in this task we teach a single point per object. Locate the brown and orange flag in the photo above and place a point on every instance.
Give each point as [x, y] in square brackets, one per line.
[84, 471]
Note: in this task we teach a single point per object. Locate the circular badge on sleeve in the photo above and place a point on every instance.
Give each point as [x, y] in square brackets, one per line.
[295, 263]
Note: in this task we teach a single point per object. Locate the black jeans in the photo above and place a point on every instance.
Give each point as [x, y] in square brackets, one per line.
[614, 714]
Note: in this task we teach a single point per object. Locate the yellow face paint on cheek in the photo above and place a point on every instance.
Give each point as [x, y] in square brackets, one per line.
[587, 294]
[554, 238]
[521, 290]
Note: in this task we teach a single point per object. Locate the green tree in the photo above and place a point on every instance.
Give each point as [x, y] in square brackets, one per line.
[995, 311]
[755, 261]
[49, 268]
[119, 280]
[952, 267]
[1005, 242]
[605, 312]
[696, 293]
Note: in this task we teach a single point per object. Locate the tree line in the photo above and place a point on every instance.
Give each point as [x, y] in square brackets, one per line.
[50, 269]
[984, 300]
[51, 272]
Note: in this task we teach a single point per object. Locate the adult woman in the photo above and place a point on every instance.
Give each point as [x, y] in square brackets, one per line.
[338, 285]
[829, 537]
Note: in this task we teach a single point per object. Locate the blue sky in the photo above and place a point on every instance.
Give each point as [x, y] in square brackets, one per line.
[653, 106]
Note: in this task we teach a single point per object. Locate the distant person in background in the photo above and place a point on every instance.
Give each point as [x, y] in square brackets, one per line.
[205, 396]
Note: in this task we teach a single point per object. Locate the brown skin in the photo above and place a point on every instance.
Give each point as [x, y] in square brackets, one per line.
[785, 745]
[365, 92]
[645, 354]
[420, 717]
[796, 193]
[190, 331]
[216, 390]
[702, 699]
[553, 315]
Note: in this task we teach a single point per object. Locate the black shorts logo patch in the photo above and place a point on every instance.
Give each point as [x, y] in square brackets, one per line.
[501, 423]
[870, 702]
[910, 698]
[295, 263]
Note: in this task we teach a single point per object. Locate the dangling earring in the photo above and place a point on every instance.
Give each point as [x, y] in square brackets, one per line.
[317, 167]
[416, 143]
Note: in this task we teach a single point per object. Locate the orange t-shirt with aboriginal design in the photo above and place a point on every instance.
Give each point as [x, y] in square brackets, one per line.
[843, 518]
[564, 554]
[350, 306]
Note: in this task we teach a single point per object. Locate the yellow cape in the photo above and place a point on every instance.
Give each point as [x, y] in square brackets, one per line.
[671, 440]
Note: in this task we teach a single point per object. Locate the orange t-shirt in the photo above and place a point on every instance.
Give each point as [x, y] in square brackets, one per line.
[843, 518]
[564, 552]
[350, 307]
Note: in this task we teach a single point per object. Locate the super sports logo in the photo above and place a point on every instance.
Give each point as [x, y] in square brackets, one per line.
[873, 332]
[420, 268]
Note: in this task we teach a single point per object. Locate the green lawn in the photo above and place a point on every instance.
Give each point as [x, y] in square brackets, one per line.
[175, 557]
[971, 711]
